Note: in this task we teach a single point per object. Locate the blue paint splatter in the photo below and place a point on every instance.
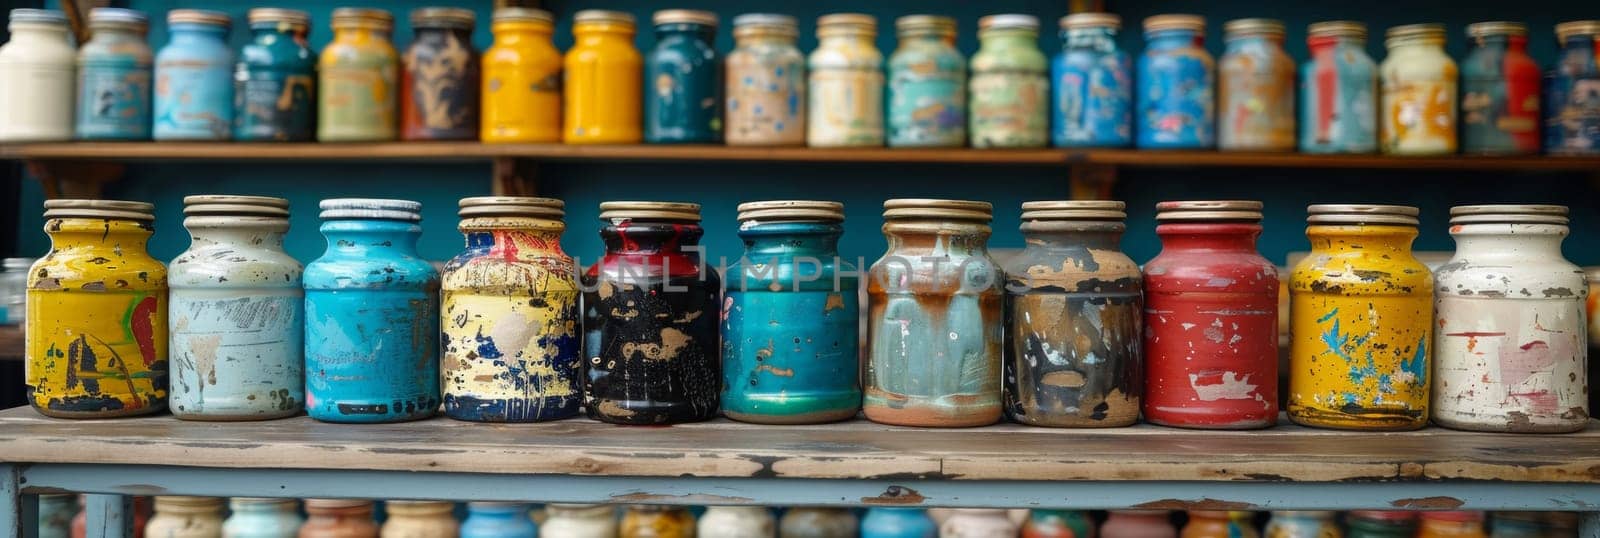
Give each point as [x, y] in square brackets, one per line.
[1328, 316]
[1417, 365]
[486, 347]
[1336, 341]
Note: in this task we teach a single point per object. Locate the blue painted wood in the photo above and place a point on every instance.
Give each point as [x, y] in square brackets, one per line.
[1589, 525]
[107, 516]
[11, 520]
[29, 516]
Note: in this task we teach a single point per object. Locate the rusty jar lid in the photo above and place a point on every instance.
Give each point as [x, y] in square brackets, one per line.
[648, 211]
[443, 17]
[1494, 28]
[418, 508]
[1414, 31]
[1571, 29]
[1091, 20]
[765, 23]
[511, 206]
[370, 208]
[1369, 214]
[99, 209]
[294, 18]
[116, 17]
[1008, 21]
[846, 23]
[684, 16]
[603, 16]
[335, 504]
[914, 24]
[1162, 23]
[363, 17]
[38, 16]
[235, 206]
[1350, 29]
[1252, 27]
[1209, 211]
[928, 208]
[790, 211]
[523, 14]
[1074, 210]
[1509, 214]
[198, 16]
[171, 503]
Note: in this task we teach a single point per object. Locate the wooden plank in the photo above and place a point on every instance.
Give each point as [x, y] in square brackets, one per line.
[1167, 159]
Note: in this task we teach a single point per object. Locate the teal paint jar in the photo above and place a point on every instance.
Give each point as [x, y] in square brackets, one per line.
[275, 79]
[1338, 91]
[262, 518]
[683, 75]
[927, 85]
[885, 522]
[114, 77]
[498, 520]
[194, 78]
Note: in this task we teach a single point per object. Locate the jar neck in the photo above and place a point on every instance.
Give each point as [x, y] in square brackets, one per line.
[85, 233]
[1582, 42]
[645, 238]
[1073, 235]
[1008, 38]
[1174, 39]
[684, 30]
[846, 38]
[922, 37]
[1329, 43]
[514, 33]
[36, 33]
[440, 32]
[1367, 238]
[509, 237]
[937, 238]
[371, 237]
[771, 39]
[1101, 39]
[359, 34]
[1419, 44]
[359, 512]
[1509, 241]
[184, 33]
[1255, 41]
[1211, 236]
[263, 508]
[498, 511]
[236, 232]
[1507, 42]
[596, 33]
[260, 32]
[789, 239]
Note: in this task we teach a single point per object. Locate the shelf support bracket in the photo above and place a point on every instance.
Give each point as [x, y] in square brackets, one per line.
[1092, 181]
[515, 177]
[75, 179]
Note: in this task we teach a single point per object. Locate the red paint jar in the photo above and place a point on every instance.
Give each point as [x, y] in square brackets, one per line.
[1211, 319]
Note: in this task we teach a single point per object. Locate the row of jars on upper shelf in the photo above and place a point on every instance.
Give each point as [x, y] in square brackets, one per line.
[1071, 333]
[603, 91]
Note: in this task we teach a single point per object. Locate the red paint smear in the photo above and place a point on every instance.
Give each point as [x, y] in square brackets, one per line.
[504, 247]
[1326, 78]
[669, 258]
[1522, 94]
[142, 324]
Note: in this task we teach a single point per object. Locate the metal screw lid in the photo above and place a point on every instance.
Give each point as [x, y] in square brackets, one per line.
[188, 504]
[370, 208]
[791, 211]
[418, 507]
[928, 208]
[684, 16]
[1252, 27]
[99, 209]
[925, 23]
[1493, 28]
[1160, 23]
[1074, 210]
[235, 206]
[1509, 214]
[1350, 29]
[38, 16]
[649, 211]
[1400, 215]
[337, 503]
[1091, 20]
[1209, 211]
[116, 17]
[1414, 31]
[443, 17]
[1570, 29]
[198, 16]
[768, 21]
[603, 16]
[1008, 21]
[523, 14]
[362, 17]
[511, 206]
[273, 15]
[846, 23]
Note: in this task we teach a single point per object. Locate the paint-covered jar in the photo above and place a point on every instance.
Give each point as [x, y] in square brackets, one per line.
[1211, 319]
[235, 320]
[1093, 84]
[1255, 88]
[1073, 317]
[1219, 524]
[1361, 321]
[650, 318]
[275, 79]
[262, 518]
[1338, 91]
[815, 522]
[55, 514]
[1521, 525]
[37, 67]
[579, 521]
[603, 80]
[1571, 114]
[521, 92]
[741, 521]
[977, 523]
[846, 83]
[419, 519]
[1510, 354]
[683, 104]
[1302, 524]
[1418, 107]
[766, 83]
[1450, 524]
[338, 518]
[1010, 88]
[372, 324]
[656, 521]
[1380, 524]
[510, 315]
[1500, 92]
[492, 519]
[927, 84]
[439, 86]
[186, 517]
[358, 78]
[934, 322]
[97, 313]
[194, 78]
[1175, 99]
[896, 522]
[1138, 524]
[114, 69]
[1044, 523]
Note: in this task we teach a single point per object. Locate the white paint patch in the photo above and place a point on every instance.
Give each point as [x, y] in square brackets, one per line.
[1232, 387]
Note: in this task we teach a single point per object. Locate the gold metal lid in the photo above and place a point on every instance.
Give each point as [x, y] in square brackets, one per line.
[1159, 23]
[1509, 214]
[235, 206]
[684, 16]
[1492, 28]
[668, 211]
[1401, 215]
[926, 23]
[198, 16]
[599, 16]
[1209, 211]
[929, 208]
[99, 209]
[511, 206]
[337, 503]
[1571, 29]
[750, 24]
[184, 503]
[274, 15]
[523, 14]
[370, 208]
[847, 21]
[1411, 31]
[1351, 29]
[1091, 20]
[1252, 27]
[363, 17]
[116, 17]
[443, 17]
[1074, 210]
[791, 211]
[1008, 21]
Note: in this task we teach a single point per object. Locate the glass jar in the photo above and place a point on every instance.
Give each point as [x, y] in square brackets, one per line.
[439, 87]
[1419, 92]
[1450, 524]
[1219, 524]
[977, 522]
[522, 79]
[1302, 524]
[1500, 92]
[1571, 115]
[736, 521]
[846, 79]
[1361, 321]
[1010, 86]
[338, 518]
[766, 83]
[55, 514]
[1074, 312]
[37, 67]
[357, 78]
[14, 289]
[419, 519]
[1380, 524]
[889, 522]
[372, 329]
[114, 77]
[97, 309]
[579, 521]
[927, 85]
[934, 322]
[488, 519]
[194, 78]
[815, 522]
[1093, 105]
[510, 315]
[1138, 524]
[186, 517]
[1509, 294]
[236, 321]
[650, 318]
[1175, 101]
[274, 82]
[1043, 523]
[656, 521]
[262, 518]
[684, 105]
[1255, 88]
[1519, 525]
[603, 80]
[1338, 91]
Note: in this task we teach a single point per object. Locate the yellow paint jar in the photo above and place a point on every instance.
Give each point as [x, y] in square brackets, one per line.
[522, 79]
[603, 81]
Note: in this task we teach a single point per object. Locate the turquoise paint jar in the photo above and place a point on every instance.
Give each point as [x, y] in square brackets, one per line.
[498, 520]
[683, 75]
[1176, 99]
[262, 518]
[275, 79]
[1338, 91]
[1093, 101]
[927, 85]
[194, 78]
[882, 522]
[114, 77]
[372, 316]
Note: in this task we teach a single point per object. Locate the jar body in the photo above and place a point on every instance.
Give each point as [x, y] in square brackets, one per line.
[1010, 91]
[372, 336]
[114, 86]
[1302, 526]
[36, 100]
[273, 87]
[1509, 294]
[340, 523]
[265, 521]
[1057, 524]
[357, 80]
[808, 522]
[977, 523]
[684, 104]
[521, 85]
[884, 522]
[1137, 524]
[657, 522]
[194, 85]
[789, 346]
[1440, 528]
[1360, 527]
[736, 521]
[1207, 524]
[1256, 92]
[1571, 115]
[184, 525]
[603, 86]
[1500, 98]
[1419, 100]
[1176, 103]
[440, 86]
[846, 93]
[498, 521]
[97, 329]
[511, 324]
[927, 93]
[766, 86]
[1093, 104]
[434, 525]
[579, 521]
[1339, 98]
[1361, 323]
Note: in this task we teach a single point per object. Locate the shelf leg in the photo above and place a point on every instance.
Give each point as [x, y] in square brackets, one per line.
[1589, 525]
[1092, 181]
[11, 519]
[515, 177]
[109, 516]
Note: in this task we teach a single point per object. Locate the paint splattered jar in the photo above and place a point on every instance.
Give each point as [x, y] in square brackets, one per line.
[975, 522]
[1219, 524]
[1361, 321]
[522, 79]
[1044, 523]
[650, 318]
[1255, 88]
[1511, 353]
[579, 521]
[1450, 524]
[1571, 115]
[683, 104]
[114, 69]
[262, 518]
[490, 519]
[927, 85]
[750, 521]
[603, 80]
[358, 76]
[790, 319]
[1093, 84]
[814, 522]
[97, 313]
[510, 315]
[1380, 524]
[1500, 92]
[275, 79]
[186, 517]
[37, 66]
[1302, 524]
[235, 320]
[1419, 92]
[1137, 524]
[887, 522]
[1211, 319]
[1338, 91]
[194, 78]
[1175, 98]
[419, 519]
[338, 518]
[1074, 312]
[766, 83]
[656, 521]
[1010, 88]
[372, 324]
[439, 85]
[934, 321]
[846, 83]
